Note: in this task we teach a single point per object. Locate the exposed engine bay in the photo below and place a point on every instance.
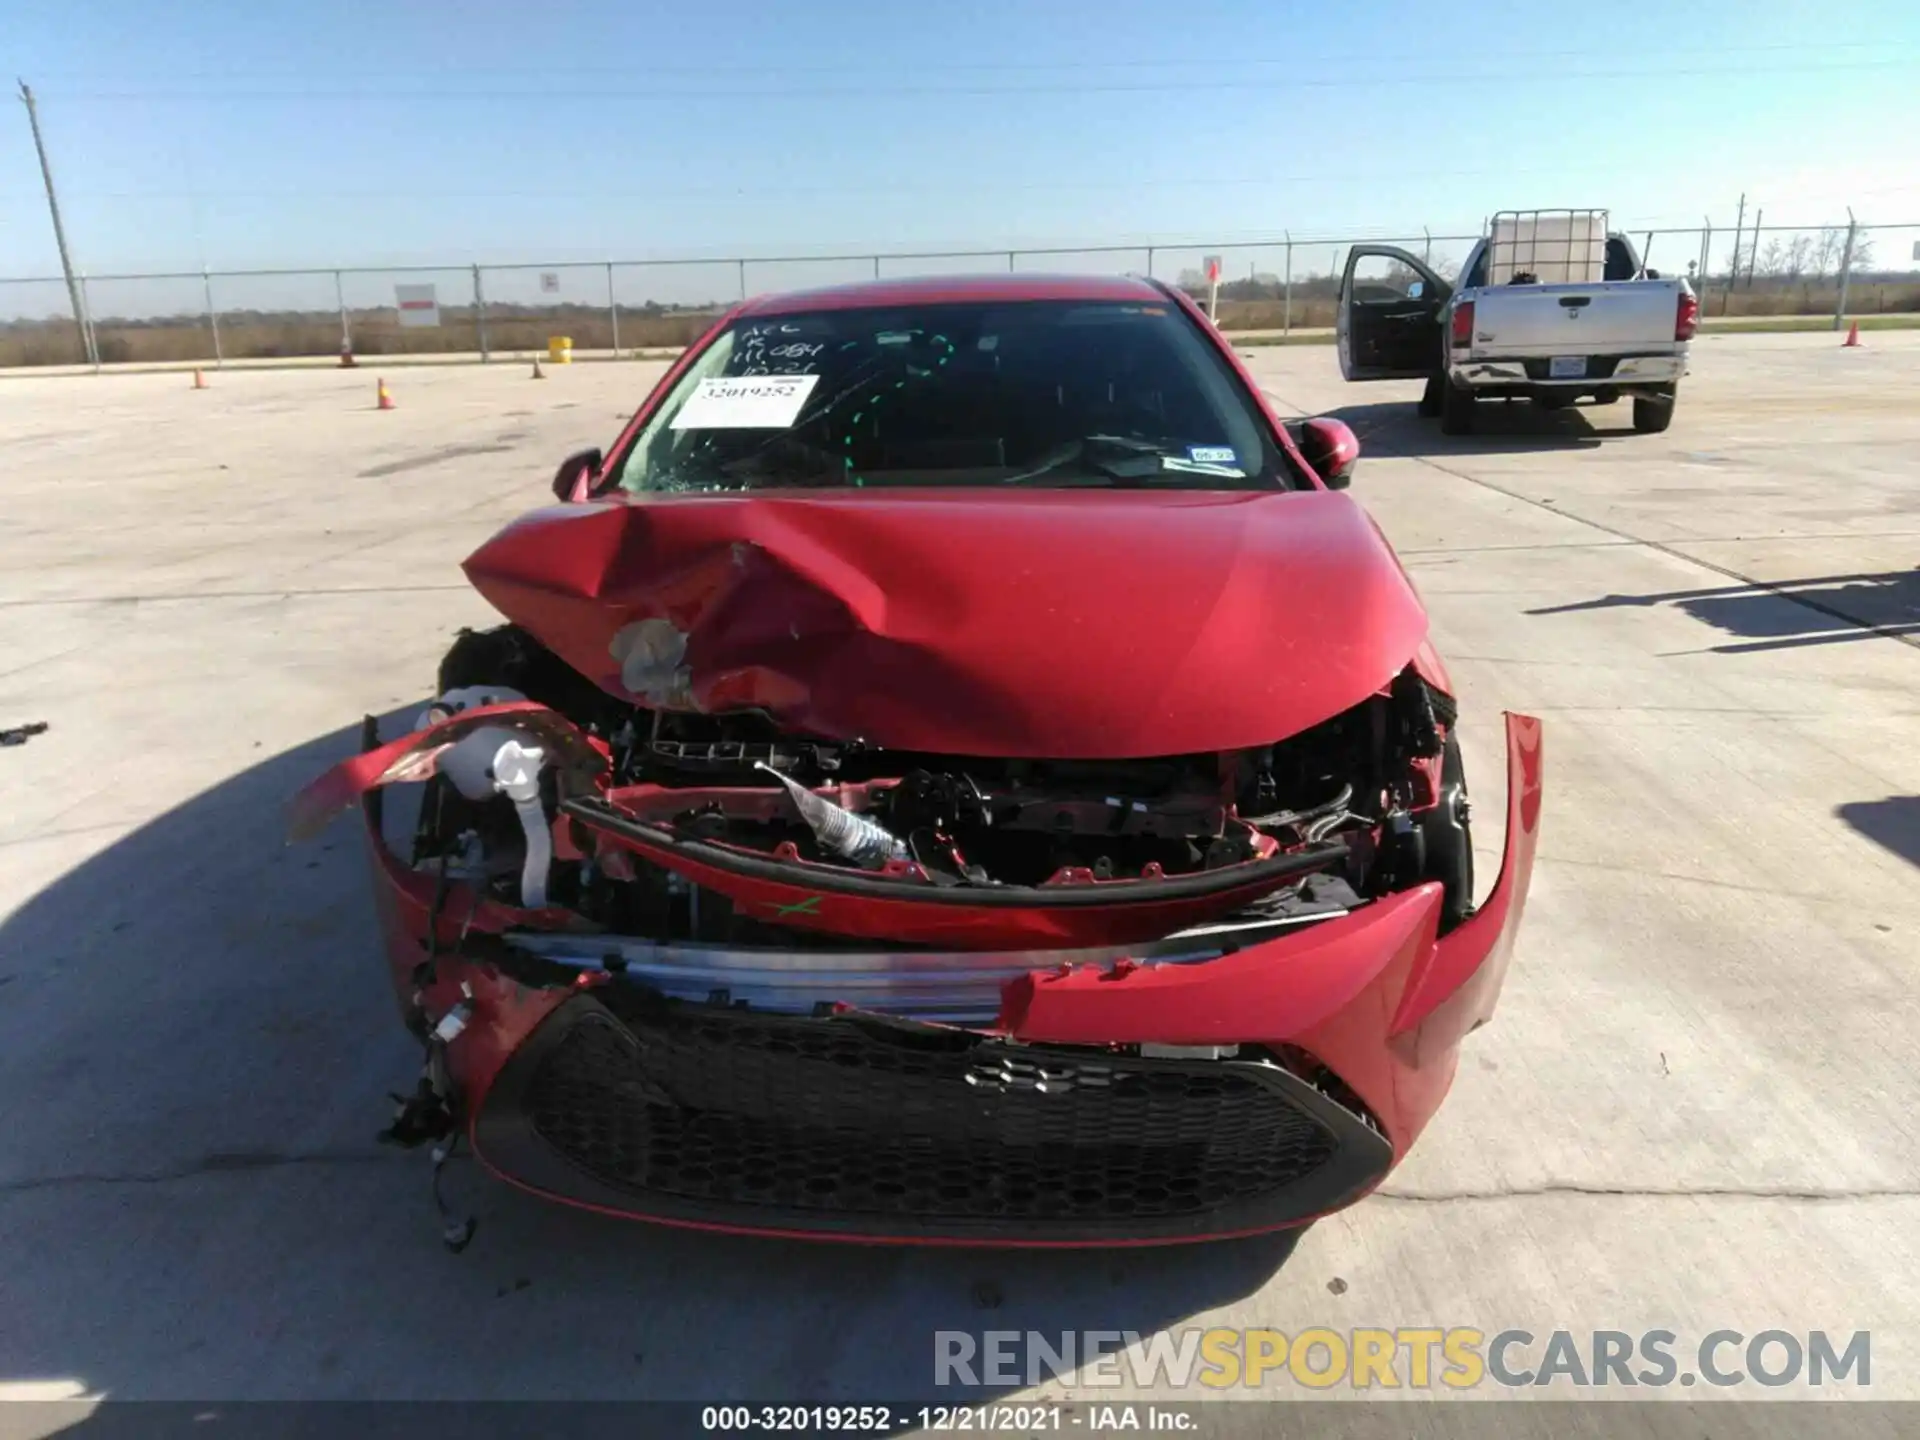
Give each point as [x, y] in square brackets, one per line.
[723, 829]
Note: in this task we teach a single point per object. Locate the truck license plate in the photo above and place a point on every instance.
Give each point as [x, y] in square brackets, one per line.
[1567, 367]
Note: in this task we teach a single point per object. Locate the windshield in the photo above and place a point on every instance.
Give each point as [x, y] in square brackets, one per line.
[1044, 394]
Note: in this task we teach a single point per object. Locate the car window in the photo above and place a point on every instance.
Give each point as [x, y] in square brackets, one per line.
[1621, 264]
[1385, 280]
[1039, 393]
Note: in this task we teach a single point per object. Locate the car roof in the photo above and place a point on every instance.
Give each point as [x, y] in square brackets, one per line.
[957, 289]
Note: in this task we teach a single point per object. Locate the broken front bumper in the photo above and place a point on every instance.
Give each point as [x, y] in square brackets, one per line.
[975, 1097]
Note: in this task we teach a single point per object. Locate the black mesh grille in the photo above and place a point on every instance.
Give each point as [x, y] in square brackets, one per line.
[840, 1124]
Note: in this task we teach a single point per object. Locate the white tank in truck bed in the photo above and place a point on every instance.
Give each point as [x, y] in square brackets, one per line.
[1555, 247]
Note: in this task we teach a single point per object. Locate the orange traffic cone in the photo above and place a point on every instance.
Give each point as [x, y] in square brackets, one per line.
[1852, 342]
[199, 380]
[538, 373]
[384, 396]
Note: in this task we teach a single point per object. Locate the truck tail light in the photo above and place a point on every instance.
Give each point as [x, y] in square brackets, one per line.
[1686, 319]
[1462, 334]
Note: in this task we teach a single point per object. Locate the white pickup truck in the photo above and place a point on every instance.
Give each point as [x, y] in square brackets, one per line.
[1551, 307]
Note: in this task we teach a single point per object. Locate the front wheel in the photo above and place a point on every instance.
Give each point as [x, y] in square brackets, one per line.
[1456, 410]
[1653, 411]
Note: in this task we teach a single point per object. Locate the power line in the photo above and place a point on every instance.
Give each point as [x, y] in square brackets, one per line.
[1161, 62]
[1439, 79]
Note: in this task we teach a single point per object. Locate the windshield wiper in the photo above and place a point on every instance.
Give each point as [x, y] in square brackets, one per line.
[1138, 458]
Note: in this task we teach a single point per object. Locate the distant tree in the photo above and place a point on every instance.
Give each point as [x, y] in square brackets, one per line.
[1830, 248]
[1786, 260]
[1827, 248]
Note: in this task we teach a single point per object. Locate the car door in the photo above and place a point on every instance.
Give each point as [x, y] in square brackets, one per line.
[1391, 309]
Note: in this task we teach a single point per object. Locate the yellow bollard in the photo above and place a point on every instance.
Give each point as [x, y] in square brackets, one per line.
[559, 350]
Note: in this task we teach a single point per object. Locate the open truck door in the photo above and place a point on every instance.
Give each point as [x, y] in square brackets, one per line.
[1391, 309]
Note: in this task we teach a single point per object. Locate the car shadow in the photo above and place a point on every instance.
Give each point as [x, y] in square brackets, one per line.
[196, 1049]
[1892, 823]
[1790, 614]
[1500, 428]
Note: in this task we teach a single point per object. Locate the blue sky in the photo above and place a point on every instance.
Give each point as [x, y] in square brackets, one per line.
[414, 131]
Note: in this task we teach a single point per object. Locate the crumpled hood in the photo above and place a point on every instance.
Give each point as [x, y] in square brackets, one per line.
[1057, 624]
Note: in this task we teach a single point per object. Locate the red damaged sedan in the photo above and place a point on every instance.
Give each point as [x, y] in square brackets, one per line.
[958, 770]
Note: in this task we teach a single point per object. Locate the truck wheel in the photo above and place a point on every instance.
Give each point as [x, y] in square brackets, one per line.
[1429, 405]
[1653, 411]
[1456, 410]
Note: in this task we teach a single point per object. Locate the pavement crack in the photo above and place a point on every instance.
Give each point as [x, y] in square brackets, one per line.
[1652, 1192]
[282, 593]
[219, 1163]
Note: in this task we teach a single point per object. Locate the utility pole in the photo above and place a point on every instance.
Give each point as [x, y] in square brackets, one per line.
[1846, 269]
[1733, 273]
[59, 231]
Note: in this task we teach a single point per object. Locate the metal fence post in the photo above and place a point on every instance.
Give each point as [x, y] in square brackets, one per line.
[613, 311]
[346, 327]
[1706, 250]
[1286, 320]
[1846, 269]
[213, 320]
[1150, 262]
[480, 315]
[876, 267]
[1427, 258]
[743, 278]
[1010, 262]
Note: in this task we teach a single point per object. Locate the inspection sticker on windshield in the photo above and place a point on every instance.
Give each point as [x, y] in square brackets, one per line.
[745, 402]
[1200, 467]
[1212, 454]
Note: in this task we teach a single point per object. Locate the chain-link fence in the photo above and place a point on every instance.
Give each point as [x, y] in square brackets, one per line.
[1281, 287]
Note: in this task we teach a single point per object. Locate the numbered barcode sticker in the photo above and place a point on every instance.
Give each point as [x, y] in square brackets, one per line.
[747, 402]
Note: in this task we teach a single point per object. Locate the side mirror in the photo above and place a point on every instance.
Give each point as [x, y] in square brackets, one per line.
[571, 479]
[1331, 448]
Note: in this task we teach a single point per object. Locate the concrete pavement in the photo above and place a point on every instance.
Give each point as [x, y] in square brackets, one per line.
[1695, 1109]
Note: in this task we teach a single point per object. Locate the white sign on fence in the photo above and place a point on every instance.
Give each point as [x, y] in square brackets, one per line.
[549, 282]
[419, 309]
[1916, 249]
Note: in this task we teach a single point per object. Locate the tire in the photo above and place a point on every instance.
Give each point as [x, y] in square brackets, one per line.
[1548, 400]
[1429, 405]
[1653, 412]
[1456, 410]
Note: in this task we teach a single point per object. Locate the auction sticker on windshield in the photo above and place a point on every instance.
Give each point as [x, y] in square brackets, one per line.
[756, 402]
